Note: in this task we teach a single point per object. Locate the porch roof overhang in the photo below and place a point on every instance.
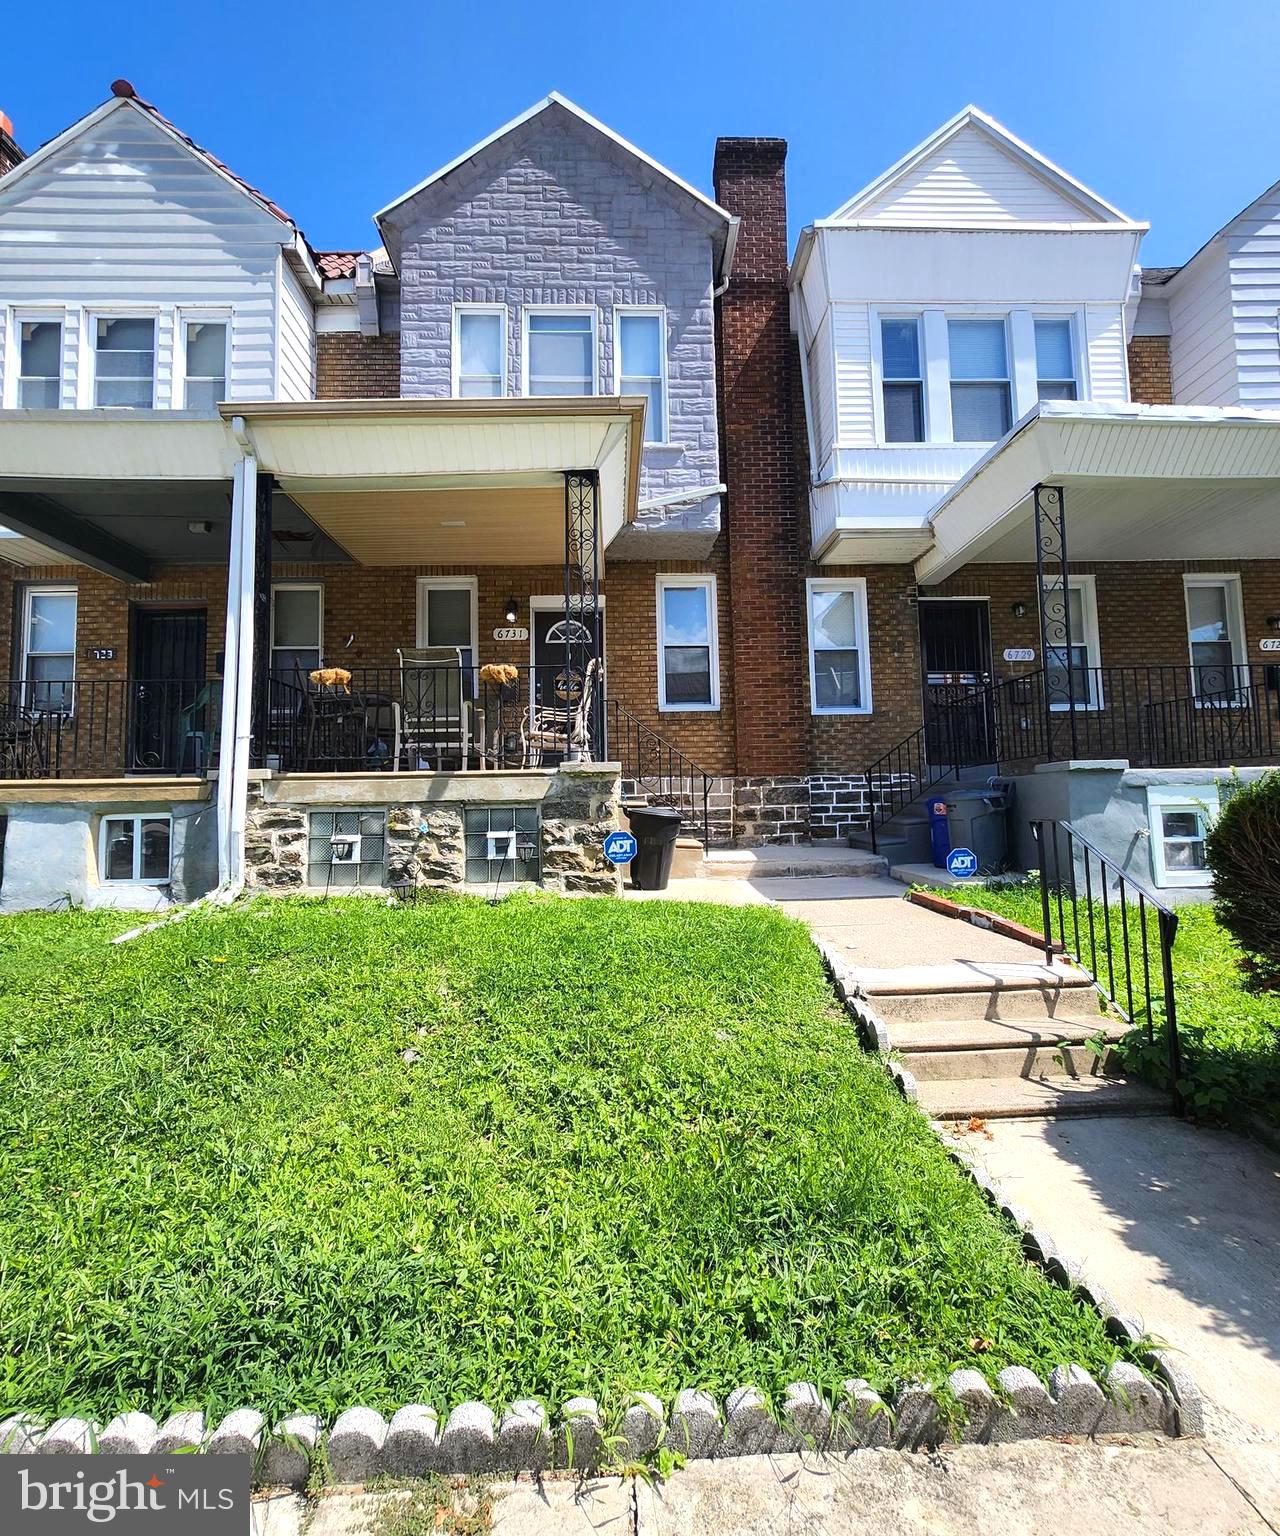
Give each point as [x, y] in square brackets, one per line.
[403, 482]
[1140, 482]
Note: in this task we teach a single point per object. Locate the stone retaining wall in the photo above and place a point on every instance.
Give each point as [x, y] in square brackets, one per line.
[578, 807]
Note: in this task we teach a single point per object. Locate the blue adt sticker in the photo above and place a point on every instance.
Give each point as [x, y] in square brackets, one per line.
[620, 847]
[960, 862]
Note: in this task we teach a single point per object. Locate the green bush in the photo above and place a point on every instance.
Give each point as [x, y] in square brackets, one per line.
[1243, 851]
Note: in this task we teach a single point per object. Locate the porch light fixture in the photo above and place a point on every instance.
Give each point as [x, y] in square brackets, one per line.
[1019, 610]
[513, 611]
[200, 526]
[1273, 622]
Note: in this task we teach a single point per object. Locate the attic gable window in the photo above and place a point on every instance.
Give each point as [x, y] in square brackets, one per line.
[125, 362]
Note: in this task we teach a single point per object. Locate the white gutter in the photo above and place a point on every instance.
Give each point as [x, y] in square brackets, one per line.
[366, 295]
[726, 261]
[681, 498]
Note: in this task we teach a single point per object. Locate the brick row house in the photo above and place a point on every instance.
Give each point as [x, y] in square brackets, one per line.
[407, 565]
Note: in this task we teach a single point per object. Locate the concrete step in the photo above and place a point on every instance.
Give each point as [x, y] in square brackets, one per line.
[686, 863]
[968, 991]
[920, 1038]
[1003, 1098]
[1064, 1060]
[802, 860]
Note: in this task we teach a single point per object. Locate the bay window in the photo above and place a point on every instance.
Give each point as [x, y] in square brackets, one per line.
[560, 352]
[981, 404]
[688, 661]
[903, 381]
[839, 660]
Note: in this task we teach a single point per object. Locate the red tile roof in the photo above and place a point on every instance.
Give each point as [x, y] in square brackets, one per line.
[337, 263]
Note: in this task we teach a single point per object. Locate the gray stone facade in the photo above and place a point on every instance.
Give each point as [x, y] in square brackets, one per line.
[578, 808]
[556, 213]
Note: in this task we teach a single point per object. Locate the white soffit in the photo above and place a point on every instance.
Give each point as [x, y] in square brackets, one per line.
[1140, 483]
[115, 445]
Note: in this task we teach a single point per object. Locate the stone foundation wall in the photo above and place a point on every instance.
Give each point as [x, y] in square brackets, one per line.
[426, 836]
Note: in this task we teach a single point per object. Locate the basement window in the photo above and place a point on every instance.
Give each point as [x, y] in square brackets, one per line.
[135, 850]
[1180, 820]
[503, 842]
[346, 849]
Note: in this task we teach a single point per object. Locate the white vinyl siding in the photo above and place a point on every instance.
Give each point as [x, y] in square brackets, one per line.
[1108, 379]
[970, 180]
[855, 401]
[127, 219]
[297, 339]
[821, 393]
[1202, 349]
[1253, 254]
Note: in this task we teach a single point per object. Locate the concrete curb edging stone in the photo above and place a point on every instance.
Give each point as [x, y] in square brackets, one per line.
[1184, 1409]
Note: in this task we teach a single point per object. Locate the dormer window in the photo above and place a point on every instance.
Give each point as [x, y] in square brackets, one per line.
[125, 362]
[903, 381]
[981, 406]
[1055, 360]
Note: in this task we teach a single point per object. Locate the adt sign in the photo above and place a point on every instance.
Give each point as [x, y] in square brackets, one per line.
[960, 862]
[620, 847]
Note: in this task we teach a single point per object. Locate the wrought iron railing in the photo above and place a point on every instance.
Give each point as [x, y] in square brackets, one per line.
[102, 727]
[1116, 930]
[661, 771]
[1152, 716]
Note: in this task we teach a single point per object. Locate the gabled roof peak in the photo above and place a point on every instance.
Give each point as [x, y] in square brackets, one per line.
[1092, 208]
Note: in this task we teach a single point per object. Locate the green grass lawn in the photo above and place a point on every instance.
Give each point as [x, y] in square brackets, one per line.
[1230, 1036]
[638, 1148]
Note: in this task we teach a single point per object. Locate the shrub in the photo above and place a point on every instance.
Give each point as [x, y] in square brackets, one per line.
[1243, 850]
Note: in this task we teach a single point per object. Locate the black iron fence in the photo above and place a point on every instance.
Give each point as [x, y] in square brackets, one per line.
[101, 728]
[1117, 931]
[660, 771]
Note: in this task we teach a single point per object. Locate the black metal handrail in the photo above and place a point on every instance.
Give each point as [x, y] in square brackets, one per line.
[1118, 948]
[660, 768]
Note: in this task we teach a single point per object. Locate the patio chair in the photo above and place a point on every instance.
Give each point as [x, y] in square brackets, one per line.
[555, 728]
[434, 715]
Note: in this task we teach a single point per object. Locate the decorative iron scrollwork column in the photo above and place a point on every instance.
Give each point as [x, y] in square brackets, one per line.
[581, 613]
[262, 550]
[1053, 572]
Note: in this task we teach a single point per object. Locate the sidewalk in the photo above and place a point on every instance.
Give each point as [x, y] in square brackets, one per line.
[1143, 1488]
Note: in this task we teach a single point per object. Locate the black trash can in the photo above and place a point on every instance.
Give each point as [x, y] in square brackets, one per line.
[655, 829]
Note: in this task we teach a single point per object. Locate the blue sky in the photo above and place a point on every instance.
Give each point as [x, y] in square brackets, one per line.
[1166, 110]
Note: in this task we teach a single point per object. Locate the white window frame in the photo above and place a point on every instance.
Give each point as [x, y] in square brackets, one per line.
[673, 579]
[857, 586]
[137, 818]
[1005, 317]
[659, 313]
[296, 586]
[916, 317]
[92, 316]
[455, 356]
[194, 316]
[1230, 581]
[560, 309]
[16, 319]
[1074, 331]
[46, 589]
[426, 584]
[1087, 586]
[1204, 800]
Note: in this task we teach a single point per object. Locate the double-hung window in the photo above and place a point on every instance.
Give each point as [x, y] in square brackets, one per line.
[125, 362]
[297, 622]
[839, 662]
[1073, 673]
[479, 351]
[903, 381]
[1215, 634]
[135, 850]
[39, 364]
[641, 365]
[560, 351]
[688, 659]
[205, 354]
[48, 648]
[1055, 359]
[981, 405]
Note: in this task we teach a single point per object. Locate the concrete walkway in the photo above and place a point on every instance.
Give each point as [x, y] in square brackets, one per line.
[1142, 1488]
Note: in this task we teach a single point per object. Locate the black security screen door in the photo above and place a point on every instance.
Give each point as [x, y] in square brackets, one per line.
[955, 652]
[167, 690]
[549, 661]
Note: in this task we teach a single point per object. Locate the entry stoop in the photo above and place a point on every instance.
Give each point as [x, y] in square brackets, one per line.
[1004, 1041]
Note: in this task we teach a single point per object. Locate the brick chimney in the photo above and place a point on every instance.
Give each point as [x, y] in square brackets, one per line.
[10, 154]
[754, 348]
